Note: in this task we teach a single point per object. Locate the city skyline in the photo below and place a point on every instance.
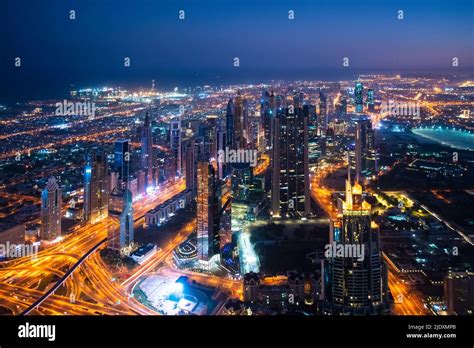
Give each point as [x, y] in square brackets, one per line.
[209, 159]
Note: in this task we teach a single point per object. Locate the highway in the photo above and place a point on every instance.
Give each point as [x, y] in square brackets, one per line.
[63, 278]
[407, 301]
[89, 287]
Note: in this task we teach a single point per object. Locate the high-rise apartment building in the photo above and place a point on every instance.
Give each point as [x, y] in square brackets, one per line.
[146, 153]
[208, 243]
[290, 163]
[51, 204]
[96, 188]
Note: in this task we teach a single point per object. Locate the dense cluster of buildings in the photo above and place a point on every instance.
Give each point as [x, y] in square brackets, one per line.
[251, 158]
[218, 159]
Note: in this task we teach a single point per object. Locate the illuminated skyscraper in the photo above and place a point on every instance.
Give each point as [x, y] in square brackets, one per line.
[370, 100]
[146, 154]
[175, 139]
[358, 97]
[211, 134]
[221, 138]
[329, 143]
[242, 178]
[246, 123]
[314, 148]
[364, 149]
[141, 183]
[87, 190]
[272, 113]
[240, 173]
[341, 107]
[240, 122]
[279, 179]
[322, 116]
[225, 233]
[121, 229]
[272, 105]
[312, 123]
[51, 203]
[96, 188]
[354, 278]
[207, 213]
[298, 100]
[266, 117]
[122, 158]
[290, 181]
[190, 164]
[126, 221]
[229, 117]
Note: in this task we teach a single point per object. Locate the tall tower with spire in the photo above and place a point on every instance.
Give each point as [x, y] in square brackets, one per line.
[354, 284]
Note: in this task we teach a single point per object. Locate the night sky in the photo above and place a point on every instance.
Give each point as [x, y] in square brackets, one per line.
[57, 51]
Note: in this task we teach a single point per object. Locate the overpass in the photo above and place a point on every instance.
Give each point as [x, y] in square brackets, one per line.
[61, 281]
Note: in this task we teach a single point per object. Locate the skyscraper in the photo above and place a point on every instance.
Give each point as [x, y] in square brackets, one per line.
[96, 190]
[126, 221]
[312, 123]
[322, 117]
[207, 213]
[221, 138]
[358, 97]
[229, 117]
[266, 117]
[240, 122]
[141, 183]
[122, 161]
[279, 179]
[241, 181]
[190, 165]
[51, 203]
[341, 107]
[175, 139]
[146, 154]
[364, 148]
[272, 113]
[246, 123]
[211, 134]
[121, 229]
[370, 100]
[225, 233]
[87, 190]
[290, 186]
[314, 140]
[354, 283]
